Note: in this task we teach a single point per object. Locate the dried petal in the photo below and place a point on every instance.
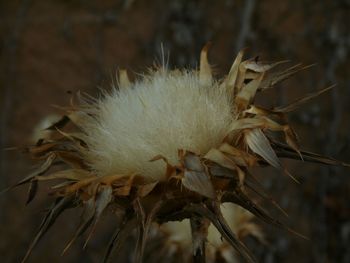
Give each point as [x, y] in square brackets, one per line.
[259, 144]
[198, 182]
[193, 162]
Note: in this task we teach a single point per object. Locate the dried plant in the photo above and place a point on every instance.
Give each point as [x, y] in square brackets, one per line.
[174, 145]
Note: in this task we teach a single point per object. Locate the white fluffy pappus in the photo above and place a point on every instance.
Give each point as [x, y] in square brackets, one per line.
[159, 114]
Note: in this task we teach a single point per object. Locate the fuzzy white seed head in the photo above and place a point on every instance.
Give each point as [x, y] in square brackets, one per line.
[163, 112]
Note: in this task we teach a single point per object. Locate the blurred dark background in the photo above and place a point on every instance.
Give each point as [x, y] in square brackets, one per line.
[51, 47]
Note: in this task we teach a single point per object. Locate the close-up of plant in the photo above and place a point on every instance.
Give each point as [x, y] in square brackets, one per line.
[174, 145]
[174, 131]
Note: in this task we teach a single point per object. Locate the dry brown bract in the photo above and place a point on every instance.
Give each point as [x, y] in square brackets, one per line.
[195, 187]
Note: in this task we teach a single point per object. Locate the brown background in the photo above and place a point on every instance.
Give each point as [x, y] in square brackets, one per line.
[51, 47]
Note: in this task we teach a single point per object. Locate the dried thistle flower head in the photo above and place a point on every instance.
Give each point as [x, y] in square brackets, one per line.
[163, 112]
[174, 145]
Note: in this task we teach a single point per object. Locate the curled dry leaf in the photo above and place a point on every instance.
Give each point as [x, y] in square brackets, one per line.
[247, 93]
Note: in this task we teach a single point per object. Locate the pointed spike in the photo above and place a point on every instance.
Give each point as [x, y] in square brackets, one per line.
[284, 151]
[289, 72]
[205, 74]
[144, 229]
[231, 237]
[81, 229]
[3, 191]
[241, 199]
[93, 228]
[119, 235]
[103, 199]
[43, 168]
[292, 140]
[33, 189]
[231, 78]
[268, 198]
[294, 105]
[285, 171]
[219, 222]
[88, 214]
[262, 193]
[282, 75]
[57, 208]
